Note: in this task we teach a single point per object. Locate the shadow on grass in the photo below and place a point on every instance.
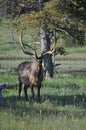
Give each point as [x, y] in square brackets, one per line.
[76, 100]
[18, 107]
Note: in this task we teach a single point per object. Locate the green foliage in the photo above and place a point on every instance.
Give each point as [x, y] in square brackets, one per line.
[67, 15]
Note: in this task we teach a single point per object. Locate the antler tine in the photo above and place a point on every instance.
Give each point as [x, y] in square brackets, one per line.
[22, 45]
[29, 47]
[51, 51]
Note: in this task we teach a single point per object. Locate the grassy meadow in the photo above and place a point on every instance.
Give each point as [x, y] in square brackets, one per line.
[63, 99]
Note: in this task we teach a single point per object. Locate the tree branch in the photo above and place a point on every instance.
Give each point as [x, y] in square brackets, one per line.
[62, 30]
[75, 4]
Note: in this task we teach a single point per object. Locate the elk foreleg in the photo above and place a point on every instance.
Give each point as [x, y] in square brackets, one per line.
[39, 93]
[32, 91]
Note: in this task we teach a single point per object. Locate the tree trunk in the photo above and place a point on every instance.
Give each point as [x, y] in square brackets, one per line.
[45, 46]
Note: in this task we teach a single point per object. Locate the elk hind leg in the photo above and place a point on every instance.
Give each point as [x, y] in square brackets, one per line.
[20, 88]
[25, 91]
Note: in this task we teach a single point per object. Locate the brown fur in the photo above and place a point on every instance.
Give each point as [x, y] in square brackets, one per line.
[31, 75]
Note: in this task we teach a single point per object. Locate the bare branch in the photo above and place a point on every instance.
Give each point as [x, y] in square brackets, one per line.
[74, 3]
[62, 30]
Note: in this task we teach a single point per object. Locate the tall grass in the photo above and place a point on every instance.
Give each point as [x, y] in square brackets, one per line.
[26, 122]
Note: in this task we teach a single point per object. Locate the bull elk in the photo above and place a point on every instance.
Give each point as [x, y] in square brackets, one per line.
[30, 74]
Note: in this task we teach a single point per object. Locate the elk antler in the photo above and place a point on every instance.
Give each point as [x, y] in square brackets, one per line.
[23, 47]
[51, 51]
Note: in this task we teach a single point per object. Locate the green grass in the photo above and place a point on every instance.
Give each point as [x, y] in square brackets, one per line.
[76, 49]
[9, 78]
[63, 105]
[28, 123]
[63, 99]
